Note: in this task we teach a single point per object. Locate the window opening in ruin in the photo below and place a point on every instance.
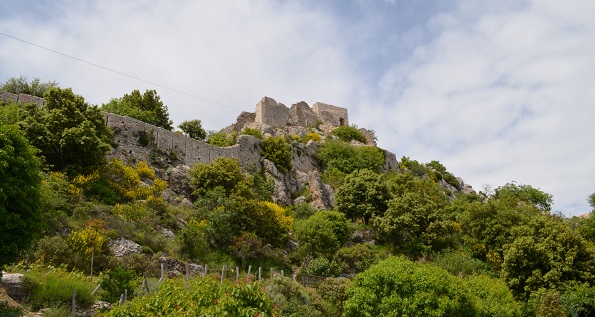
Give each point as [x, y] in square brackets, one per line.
[341, 121]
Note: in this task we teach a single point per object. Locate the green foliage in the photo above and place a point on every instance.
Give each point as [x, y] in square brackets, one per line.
[359, 257]
[193, 129]
[22, 85]
[224, 172]
[347, 158]
[487, 227]
[312, 136]
[54, 251]
[322, 267]
[116, 282]
[492, 297]
[253, 132]
[413, 166]
[303, 211]
[21, 218]
[546, 253]
[10, 113]
[9, 311]
[549, 304]
[524, 193]
[295, 300]
[586, 227]
[203, 296]
[440, 172]
[579, 299]
[277, 150]
[322, 234]
[363, 194]
[415, 220]
[460, 263]
[71, 134]
[54, 287]
[591, 200]
[221, 139]
[334, 292]
[349, 133]
[399, 287]
[145, 107]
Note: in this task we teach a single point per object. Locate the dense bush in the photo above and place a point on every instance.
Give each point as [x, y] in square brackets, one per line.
[362, 195]
[55, 287]
[145, 107]
[349, 133]
[322, 234]
[117, 282]
[359, 257]
[221, 139]
[492, 297]
[278, 151]
[399, 287]
[223, 172]
[202, 296]
[322, 267]
[347, 158]
[253, 132]
[295, 300]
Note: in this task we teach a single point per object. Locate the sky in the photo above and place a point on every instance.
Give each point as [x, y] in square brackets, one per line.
[497, 91]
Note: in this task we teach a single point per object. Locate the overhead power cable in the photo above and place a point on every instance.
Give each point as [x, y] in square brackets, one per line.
[119, 72]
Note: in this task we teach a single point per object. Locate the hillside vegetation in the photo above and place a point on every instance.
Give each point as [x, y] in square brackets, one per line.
[402, 242]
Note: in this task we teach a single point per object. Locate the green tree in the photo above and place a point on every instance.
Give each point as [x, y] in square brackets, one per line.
[22, 220]
[193, 129]
[546, 253]
[399, 287]
[71, 134]
[322, 234]
[221, 139]
[22, 85]
[492, 297]
[415, 220]
[591, 200]
[526, 194]
[586, 227]
[363, 194]
[146, 107]
[224, 172]
[277, 150]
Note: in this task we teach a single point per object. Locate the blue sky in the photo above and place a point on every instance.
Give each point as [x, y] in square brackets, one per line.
[497, 91]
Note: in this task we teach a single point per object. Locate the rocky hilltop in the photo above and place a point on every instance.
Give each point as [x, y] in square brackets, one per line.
[173, 154]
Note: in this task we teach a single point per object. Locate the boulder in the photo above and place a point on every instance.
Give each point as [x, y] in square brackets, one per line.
[12, 283]
[322, 195]
[178, 180]
[122, 247]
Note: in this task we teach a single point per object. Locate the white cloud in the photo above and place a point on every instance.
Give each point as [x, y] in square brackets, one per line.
[503, 96]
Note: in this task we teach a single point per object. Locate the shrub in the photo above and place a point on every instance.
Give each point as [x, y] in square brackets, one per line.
[334, 291]
[348, 158]
[55, 288]
[201, 296]
[54, 251]
[349, 133]
[9, 311]
[492, 297]
[253, 132]
[460, 263]
[312, 136]
[223, 172]
[303, 211]
[116, 282]
[293, 299]
[322, 234]
[359, 257]
[221, 139]
[400, 287]
[322, 267]
[278, 151]
[362, 195]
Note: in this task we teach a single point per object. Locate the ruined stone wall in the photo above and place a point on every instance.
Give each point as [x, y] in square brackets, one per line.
[136, 140]
[272, 113]
[21, 98]
[331, 115]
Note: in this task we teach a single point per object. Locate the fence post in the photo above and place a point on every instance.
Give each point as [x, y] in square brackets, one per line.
[222, 274]
[187, 272]
[206, 270]
[282, 275]
[303, 280]
[121, 299]
[73, 300]
[125, 294]
[96, 288]
[237, 273]
[272, 272]
[259, 273]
